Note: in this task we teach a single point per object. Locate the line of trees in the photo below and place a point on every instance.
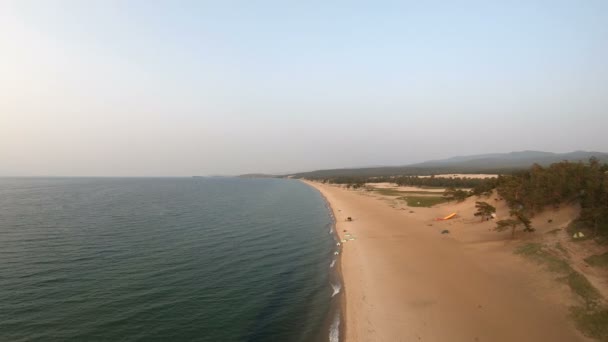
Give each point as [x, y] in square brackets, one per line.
[439, 182]
[451, 194]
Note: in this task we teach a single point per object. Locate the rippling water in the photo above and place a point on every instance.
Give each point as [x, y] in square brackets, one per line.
[206, 259]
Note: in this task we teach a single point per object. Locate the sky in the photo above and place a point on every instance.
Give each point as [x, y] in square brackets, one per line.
[181, 88]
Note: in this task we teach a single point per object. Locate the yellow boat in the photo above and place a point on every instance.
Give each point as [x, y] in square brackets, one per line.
[446, 218]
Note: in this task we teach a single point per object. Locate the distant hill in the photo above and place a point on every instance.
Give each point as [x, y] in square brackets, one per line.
[499, 156]
[520, 159]
[481, 163]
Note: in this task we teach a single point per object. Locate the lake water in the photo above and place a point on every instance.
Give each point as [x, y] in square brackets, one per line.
[167, 259]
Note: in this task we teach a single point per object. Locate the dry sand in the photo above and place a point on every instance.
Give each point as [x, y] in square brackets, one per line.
[404, 281]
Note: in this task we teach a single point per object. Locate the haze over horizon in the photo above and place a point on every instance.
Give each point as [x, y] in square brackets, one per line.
[139, 88]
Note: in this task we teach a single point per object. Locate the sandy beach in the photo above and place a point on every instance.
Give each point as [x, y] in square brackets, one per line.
[405, 281]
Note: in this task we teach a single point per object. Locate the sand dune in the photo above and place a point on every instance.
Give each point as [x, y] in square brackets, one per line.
[405, 281]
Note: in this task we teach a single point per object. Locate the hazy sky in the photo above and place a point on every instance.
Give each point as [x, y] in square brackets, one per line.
[145, 88]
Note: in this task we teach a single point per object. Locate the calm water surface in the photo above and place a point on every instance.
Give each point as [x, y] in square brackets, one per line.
[205, 259]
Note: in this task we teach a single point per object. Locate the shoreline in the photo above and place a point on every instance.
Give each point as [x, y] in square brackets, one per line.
[406, 281]
[338, 307]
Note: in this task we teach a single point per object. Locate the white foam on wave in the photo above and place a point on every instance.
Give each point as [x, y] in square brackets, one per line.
[334, 329]
[333, 262]
[336, 287]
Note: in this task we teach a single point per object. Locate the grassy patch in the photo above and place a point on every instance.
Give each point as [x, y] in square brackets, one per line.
[598, 260]
[422, 192]
[582, 287]
[388, 192]
[529, 249]
[395, 192]
[577, 282]
[561, 248]
[592, 318]
[536, 252]
[422, 201]
[601, 240]
[593, 323]
[428, 198]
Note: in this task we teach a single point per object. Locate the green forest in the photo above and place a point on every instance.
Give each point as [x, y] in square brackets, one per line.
[533, 190]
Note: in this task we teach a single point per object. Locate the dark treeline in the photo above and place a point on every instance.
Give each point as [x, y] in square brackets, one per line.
[431, 181]
[439, 182]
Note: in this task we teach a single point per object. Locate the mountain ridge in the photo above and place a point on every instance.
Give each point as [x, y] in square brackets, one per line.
[480, 163]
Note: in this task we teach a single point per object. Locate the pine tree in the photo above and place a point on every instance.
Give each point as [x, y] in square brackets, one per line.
[484, 210]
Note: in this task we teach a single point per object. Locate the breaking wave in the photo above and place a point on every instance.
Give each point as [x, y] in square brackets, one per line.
[336, 288]
[334, 329]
